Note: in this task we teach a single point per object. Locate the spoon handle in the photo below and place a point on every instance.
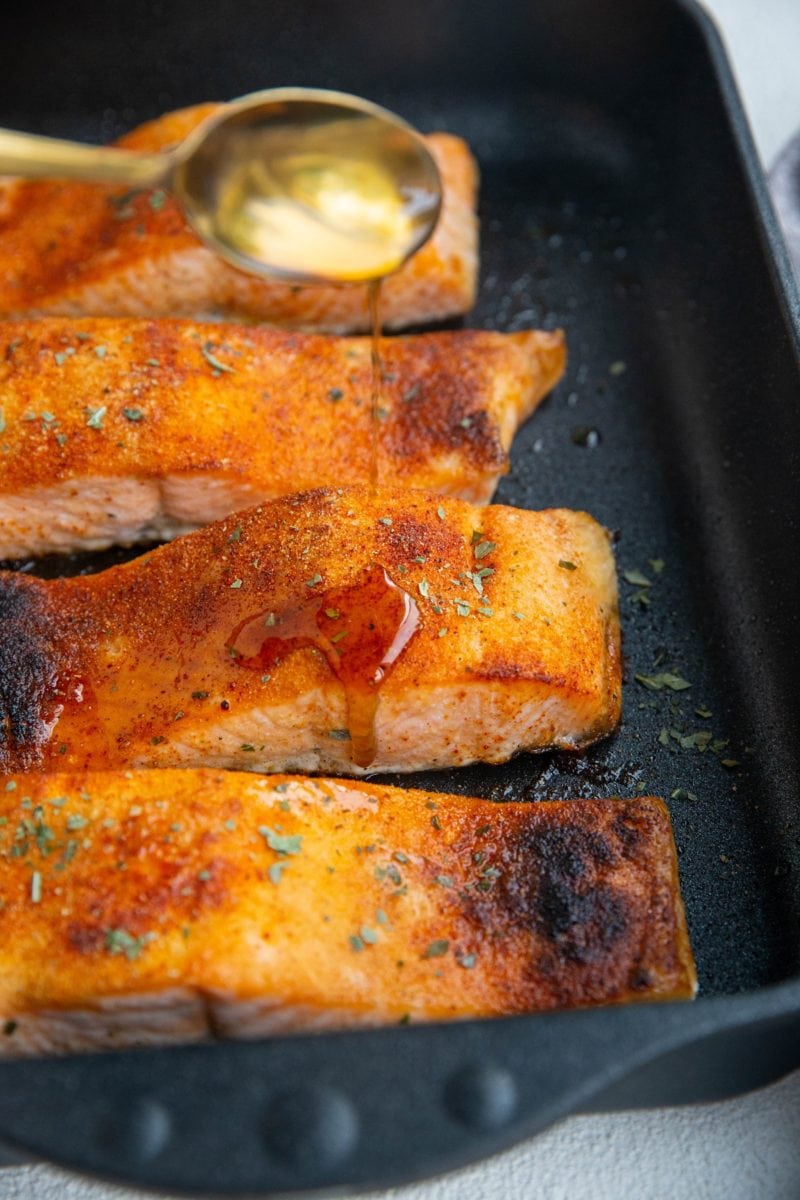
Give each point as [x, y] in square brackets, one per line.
[34, 157]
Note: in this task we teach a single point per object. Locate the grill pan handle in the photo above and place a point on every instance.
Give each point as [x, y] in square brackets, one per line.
[244, 1118]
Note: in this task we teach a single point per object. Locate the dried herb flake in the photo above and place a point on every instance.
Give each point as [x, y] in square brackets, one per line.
[655, 683]
[436, 949]
[95, 418]
[281, 843]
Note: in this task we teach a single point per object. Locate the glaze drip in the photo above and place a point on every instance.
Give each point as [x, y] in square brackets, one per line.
[361, 630]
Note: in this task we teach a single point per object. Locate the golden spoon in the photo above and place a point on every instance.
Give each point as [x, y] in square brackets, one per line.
[311, 186]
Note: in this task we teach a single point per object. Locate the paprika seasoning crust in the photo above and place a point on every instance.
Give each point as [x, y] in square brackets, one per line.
[164, 906]
[121, 431]
[343, 630]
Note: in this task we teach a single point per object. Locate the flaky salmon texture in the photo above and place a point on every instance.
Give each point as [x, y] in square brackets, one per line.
[118, 431]
[178, 905]
[74, 248]
[342, 630]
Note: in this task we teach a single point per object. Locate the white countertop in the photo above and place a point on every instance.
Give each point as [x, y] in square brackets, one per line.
[743, 1149]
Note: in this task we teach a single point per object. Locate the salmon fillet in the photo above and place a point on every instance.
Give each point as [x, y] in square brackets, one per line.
[176, 905]
[75, 248]
[340, 630]
[118, 431]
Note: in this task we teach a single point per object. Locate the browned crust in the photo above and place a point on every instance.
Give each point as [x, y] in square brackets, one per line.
[34, 654]
[156, 631]
[539, 906]
[286, 412]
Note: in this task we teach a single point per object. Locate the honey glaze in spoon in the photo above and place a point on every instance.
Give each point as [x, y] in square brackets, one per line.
[311, 186]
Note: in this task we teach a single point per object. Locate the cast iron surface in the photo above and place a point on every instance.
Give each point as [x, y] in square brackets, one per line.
[621, 200]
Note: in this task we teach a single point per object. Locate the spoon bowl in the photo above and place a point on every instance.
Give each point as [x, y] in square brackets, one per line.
[321, 186]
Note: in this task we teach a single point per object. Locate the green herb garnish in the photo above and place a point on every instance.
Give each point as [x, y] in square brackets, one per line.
[281, 843]
[436, 949]
[637, 579]
[275, 872]
[119, 941]
[95, 418]
[218, 366]
[655, 683]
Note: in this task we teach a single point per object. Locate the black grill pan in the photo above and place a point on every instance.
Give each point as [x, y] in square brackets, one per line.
[622, 200]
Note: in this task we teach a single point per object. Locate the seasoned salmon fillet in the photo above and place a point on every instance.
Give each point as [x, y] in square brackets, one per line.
[76, 248]
[118, 431]
[340, 630]
[174, 905]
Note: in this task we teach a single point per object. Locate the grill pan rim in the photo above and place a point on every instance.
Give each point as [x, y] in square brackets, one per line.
[607, 1045]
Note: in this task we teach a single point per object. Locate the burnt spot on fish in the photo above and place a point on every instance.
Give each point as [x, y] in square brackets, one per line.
[562, 880]
[500, 667]
[29, 672]
[630, 829]
[584, 925]
[564, 896]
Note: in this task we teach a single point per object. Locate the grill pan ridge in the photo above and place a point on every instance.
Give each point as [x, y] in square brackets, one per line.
[621, 199]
